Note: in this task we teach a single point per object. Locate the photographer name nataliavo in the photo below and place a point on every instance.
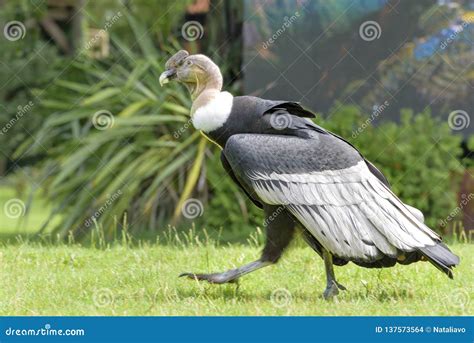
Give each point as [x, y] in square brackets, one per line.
[420, 329]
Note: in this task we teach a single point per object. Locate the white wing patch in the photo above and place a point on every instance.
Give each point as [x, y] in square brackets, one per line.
[214, 114]
[349, 211]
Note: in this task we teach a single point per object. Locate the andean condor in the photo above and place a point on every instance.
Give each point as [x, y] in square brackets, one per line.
[304, 176]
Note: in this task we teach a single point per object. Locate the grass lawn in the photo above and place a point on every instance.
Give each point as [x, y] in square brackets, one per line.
[73, 280]
[121, 279]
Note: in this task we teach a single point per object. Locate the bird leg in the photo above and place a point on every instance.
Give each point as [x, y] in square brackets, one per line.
[230, 275]
[279, 228]
[332, 286]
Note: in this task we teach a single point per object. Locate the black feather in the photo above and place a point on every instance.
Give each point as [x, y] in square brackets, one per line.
[441, 257]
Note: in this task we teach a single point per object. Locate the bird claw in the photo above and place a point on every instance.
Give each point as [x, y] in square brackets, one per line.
[188, 275]
[332, 290]
[341, 287]
[211, 278]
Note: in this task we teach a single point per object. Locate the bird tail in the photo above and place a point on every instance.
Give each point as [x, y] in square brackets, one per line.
[441, 257]
[439, 254]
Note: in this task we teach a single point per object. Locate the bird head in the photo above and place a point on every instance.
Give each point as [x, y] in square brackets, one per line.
[196, 72]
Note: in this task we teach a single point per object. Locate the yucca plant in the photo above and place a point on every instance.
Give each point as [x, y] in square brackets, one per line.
[117, 143]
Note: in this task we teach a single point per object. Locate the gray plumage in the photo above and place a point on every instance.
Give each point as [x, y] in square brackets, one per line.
[343, 205]
[340, 198]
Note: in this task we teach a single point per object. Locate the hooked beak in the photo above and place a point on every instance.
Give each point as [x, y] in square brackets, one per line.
[167, 76]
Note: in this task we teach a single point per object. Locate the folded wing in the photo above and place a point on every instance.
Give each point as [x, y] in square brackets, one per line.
[329, 188]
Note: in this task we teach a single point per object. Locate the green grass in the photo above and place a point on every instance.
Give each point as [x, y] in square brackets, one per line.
[142, 278]
[119, 280]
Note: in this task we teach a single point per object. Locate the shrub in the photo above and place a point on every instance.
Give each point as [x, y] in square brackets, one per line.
[21, 56]
[116, 142]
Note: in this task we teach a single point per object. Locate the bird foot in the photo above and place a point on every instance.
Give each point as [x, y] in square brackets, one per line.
[332, 290]
[341, 287]
[230, 276]
[217, 278]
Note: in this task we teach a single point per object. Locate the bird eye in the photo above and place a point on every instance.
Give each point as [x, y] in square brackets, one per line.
[188, 62]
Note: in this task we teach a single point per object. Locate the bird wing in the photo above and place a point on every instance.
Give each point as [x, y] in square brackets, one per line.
[328, 188]
[231, 174]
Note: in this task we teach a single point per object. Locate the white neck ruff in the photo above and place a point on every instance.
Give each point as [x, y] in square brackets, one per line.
[214, 114]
